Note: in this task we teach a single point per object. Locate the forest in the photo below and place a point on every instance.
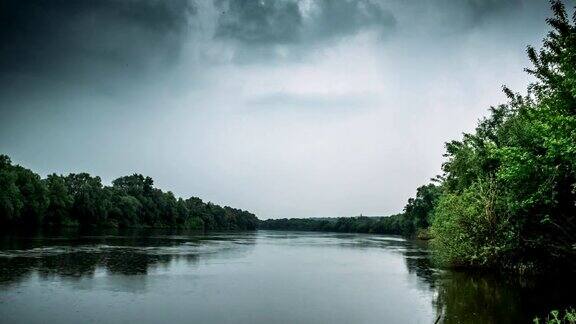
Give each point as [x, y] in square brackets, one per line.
[506, 197]
[27, 201]
[413, 221]
[360, 224]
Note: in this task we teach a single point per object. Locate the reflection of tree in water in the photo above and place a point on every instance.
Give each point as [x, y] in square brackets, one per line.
[129, 263]
[77, 258]
[14, 270]
[497, 298]
[78, 265]
[465, 297]
[418, 262]
[73, 265]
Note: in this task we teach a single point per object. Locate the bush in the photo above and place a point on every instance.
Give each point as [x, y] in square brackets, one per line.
[468, 228]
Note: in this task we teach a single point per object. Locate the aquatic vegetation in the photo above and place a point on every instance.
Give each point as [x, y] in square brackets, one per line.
[557, 317]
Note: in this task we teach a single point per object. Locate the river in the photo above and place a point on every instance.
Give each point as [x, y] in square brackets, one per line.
[252, 277]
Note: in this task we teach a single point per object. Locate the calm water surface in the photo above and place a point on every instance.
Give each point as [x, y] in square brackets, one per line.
[252, 277]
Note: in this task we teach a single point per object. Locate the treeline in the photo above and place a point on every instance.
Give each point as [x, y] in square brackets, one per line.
[414, 221]
[507, 195]
[80, 199]
[360, 224]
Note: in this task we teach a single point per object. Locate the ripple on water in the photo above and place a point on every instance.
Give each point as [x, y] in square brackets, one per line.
[185, 248]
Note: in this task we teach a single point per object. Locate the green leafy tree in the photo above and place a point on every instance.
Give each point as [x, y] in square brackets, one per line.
[60, 201]
[90, 204]
[34, 197]
[419, 210]
[10, 198]
[510, 187]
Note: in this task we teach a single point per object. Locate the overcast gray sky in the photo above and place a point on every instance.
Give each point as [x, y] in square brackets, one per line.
[287, 108]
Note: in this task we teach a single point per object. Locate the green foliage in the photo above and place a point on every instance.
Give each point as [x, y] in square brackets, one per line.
[23, 196]
[509, 188]
[60, 201]
[419, 211]
[10, 197]
[361, 224]
[26, 200]
[469, 228]
[90, 206]
[32, 194]
[416, 218]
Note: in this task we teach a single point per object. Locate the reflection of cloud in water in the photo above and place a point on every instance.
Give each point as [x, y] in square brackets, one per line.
[394, 244]
[353, 240]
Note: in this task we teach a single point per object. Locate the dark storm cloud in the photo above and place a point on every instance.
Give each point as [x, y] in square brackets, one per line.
[456, 17]
[45, 36]
[340, 18]
[260, 22]
[481, 10]
[285, 22]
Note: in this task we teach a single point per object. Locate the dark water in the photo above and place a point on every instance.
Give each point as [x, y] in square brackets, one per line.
[252, 277]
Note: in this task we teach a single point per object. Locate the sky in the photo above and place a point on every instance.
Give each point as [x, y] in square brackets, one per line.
[286, 108]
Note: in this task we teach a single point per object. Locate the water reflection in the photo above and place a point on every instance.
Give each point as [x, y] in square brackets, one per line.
[261, 277]
[489, 297]
[74, 256]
